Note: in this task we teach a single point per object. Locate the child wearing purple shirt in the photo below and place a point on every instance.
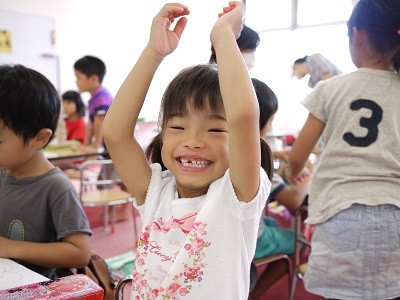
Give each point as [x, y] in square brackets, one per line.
[90, 71]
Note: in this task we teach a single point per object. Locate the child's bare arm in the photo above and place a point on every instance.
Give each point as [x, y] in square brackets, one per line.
[304, 145]
[240, 103]
[72, 252]
[97, 131]
[120, 121]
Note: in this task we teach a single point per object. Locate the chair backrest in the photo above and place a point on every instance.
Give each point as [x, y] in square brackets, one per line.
[100, 184]
[100, 173]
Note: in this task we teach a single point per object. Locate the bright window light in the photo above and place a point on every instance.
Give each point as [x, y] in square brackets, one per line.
[312, 12]
[268, 14]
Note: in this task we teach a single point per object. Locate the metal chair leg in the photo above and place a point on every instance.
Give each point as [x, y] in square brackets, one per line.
[119, 289]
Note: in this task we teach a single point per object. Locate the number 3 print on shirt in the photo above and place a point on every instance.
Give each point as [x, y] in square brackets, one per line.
[370, 123]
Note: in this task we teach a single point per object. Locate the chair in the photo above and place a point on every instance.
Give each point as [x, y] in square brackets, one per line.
[102, 189]
[299, 268]
[119, 289]
[275, 257]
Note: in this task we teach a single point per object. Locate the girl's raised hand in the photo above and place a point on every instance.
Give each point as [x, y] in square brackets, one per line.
[231, 16]
[164, 40]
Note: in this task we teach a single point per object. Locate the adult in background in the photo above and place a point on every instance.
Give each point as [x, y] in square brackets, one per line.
[317, 66]
[248, 42]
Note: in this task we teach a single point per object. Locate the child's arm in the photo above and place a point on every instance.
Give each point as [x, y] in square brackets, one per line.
[97, 131]
[120, 121]
[93, 134]
[293, 195]
[72, 252]
[304, 145]
[240, 102]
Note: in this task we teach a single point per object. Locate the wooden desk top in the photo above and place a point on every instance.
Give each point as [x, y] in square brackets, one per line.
[144, 133]
[69, 152]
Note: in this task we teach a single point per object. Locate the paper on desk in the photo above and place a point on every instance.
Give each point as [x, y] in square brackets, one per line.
[13, 275]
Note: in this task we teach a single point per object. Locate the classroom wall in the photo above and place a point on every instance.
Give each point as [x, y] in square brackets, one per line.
[117, 31]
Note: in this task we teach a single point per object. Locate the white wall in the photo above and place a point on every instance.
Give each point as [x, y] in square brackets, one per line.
[117, 31]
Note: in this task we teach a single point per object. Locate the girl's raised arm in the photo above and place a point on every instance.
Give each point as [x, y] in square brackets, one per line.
[120, 121]
[240, 102]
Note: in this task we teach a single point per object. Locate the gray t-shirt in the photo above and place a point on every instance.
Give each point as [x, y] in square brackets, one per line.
[360, 162]
[40, 209]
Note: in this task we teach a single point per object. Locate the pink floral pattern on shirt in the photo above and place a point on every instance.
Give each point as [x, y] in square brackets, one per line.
[181, 285]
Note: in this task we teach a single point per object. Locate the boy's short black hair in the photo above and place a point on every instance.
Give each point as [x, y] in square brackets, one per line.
[91, 65]
[28, 101]
[75, 97]
[248, 40]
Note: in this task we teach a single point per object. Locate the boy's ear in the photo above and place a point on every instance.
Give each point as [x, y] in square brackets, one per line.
[42, 138]
[94, 79]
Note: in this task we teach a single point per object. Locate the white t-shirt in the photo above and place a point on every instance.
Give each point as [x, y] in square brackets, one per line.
[360, 162]
[197, 248]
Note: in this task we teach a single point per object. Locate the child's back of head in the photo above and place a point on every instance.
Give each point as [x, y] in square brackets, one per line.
[381, 22]
[28, 101]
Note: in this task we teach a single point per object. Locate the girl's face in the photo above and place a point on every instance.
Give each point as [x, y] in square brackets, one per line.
[195, 150]
[69, 108]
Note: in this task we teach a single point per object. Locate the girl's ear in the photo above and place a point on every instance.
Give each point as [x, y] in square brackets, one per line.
[357, 37]
[42, 138]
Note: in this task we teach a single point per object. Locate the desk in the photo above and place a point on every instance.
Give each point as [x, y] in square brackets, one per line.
[65, 288]
[18, 283]
[12, 274]
[69, 152]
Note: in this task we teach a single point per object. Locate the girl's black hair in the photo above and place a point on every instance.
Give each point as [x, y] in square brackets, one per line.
[77, 99]
[28, 101]
[196, 88]
[267, 101]
[380, 19]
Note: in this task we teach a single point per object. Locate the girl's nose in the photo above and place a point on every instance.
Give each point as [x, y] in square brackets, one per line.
[194, 141]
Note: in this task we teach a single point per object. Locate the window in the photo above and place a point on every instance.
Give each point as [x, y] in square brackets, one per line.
[315, 12]
[290, 29]
[268, 14]
[271, 15]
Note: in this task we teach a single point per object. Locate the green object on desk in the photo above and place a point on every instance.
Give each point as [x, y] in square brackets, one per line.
[121, 265]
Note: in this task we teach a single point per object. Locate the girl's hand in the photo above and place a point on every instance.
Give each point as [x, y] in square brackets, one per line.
[232, 17]
[163, 40]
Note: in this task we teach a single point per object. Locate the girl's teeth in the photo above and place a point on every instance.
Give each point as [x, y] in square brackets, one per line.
[194, 163]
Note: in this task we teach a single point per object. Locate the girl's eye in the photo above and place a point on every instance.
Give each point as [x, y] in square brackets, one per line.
[177, 127]
[216, 130]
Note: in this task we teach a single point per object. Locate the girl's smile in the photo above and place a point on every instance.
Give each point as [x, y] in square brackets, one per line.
[193, 164]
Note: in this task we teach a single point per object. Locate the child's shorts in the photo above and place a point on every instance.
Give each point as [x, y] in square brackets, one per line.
[356, 254]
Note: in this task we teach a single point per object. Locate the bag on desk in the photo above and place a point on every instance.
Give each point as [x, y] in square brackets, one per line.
[98, 271]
